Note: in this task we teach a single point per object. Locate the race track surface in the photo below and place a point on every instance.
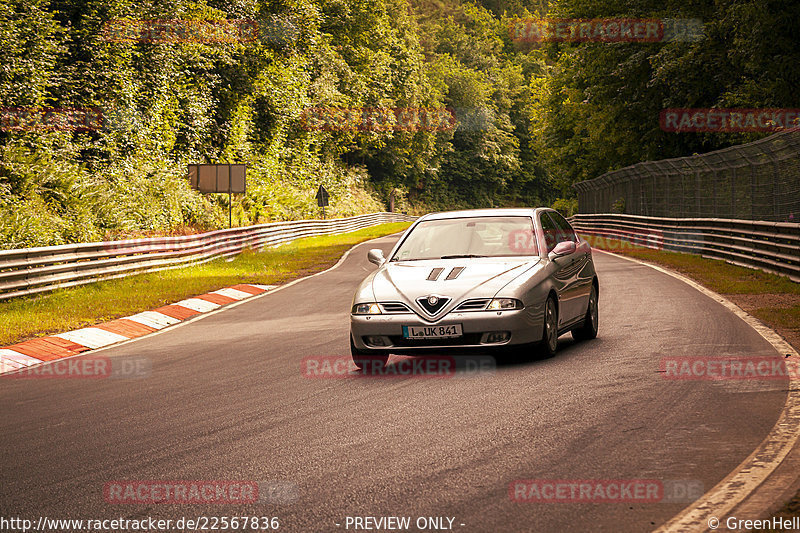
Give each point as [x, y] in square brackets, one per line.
[226, 400]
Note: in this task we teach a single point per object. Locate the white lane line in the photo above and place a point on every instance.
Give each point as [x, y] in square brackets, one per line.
[233, 293]
[92, 337]
[21, 358]
[270, 287]
[198, 304]
[154, 319]
[745, 478]
[7, 365]
[11, 360]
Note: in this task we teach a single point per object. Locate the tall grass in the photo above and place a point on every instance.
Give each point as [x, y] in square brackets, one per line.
[47, 199]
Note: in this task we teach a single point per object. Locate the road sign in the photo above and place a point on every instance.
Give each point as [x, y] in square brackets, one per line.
[322, 196]
[220, 178]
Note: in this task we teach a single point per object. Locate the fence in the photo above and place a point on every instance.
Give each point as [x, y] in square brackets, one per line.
[755, 181]
[34, 270]
[769, 246]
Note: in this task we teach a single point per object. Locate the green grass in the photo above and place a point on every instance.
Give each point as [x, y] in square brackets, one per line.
[77, 307]
[782, 317]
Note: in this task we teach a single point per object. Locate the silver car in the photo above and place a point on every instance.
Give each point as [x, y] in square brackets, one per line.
[488, 278]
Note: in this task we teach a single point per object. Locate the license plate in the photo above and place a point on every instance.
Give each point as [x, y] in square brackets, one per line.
[432, 332]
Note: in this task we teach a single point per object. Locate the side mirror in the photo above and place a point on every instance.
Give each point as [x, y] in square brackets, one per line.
[376, 256]
[561, 249]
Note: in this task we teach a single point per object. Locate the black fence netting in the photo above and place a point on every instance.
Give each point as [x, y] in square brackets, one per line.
[754, 181]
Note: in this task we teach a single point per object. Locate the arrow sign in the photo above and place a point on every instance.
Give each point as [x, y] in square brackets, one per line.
[322, 196]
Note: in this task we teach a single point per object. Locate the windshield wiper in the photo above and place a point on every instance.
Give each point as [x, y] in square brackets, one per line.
[461, 256]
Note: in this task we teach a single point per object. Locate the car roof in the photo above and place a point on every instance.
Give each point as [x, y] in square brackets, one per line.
[506, 211]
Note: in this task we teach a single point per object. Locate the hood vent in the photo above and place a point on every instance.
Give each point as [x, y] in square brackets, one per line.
[435, 273]
[454, 273]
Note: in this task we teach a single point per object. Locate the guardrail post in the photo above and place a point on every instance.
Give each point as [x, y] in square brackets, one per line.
[714, 191]
[752, 191]
[775, 191]
[698, 212]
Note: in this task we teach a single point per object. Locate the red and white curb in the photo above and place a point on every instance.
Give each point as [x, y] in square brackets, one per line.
[36, 351]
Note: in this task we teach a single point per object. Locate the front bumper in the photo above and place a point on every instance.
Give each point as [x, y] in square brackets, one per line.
[524, 326]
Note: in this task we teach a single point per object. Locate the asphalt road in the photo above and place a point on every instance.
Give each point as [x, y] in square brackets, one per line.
[226, 400]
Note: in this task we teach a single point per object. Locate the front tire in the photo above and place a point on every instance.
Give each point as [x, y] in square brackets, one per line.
[549, 342]
[369, 359]
[588, 330]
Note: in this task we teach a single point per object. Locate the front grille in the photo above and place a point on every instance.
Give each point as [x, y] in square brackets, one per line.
[466, 339]
[395, 308]
[474, 305]
[433, 308]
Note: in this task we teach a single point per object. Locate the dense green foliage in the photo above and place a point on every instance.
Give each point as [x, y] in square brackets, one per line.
[598, 108]
[531, 119]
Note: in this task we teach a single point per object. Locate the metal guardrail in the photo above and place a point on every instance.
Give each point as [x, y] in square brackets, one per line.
[30, 271]
[769, 246]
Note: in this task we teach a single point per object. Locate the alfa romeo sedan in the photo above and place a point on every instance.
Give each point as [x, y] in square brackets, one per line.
[491, 278]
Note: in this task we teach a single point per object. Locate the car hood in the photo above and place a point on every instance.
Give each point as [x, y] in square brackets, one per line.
[476, 278]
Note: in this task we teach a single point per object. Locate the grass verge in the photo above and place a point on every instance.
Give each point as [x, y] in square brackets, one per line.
[77, 307]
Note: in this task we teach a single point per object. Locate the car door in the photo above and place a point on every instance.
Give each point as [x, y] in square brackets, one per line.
[581, 285]
[565, 272]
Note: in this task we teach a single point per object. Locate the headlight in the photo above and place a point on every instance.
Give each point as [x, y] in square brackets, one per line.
[500, 304]
[367, 309]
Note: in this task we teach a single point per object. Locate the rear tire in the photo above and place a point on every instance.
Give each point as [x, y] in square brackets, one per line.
[588, 330]
[370, 359]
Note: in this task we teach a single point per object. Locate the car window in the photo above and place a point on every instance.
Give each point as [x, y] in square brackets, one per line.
[469, 237]
[550, 231]
[566, 233]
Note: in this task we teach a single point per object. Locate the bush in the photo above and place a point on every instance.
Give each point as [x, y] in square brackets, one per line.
[566, 206]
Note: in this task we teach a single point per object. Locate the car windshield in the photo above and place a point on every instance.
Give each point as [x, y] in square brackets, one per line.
[469, 237]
